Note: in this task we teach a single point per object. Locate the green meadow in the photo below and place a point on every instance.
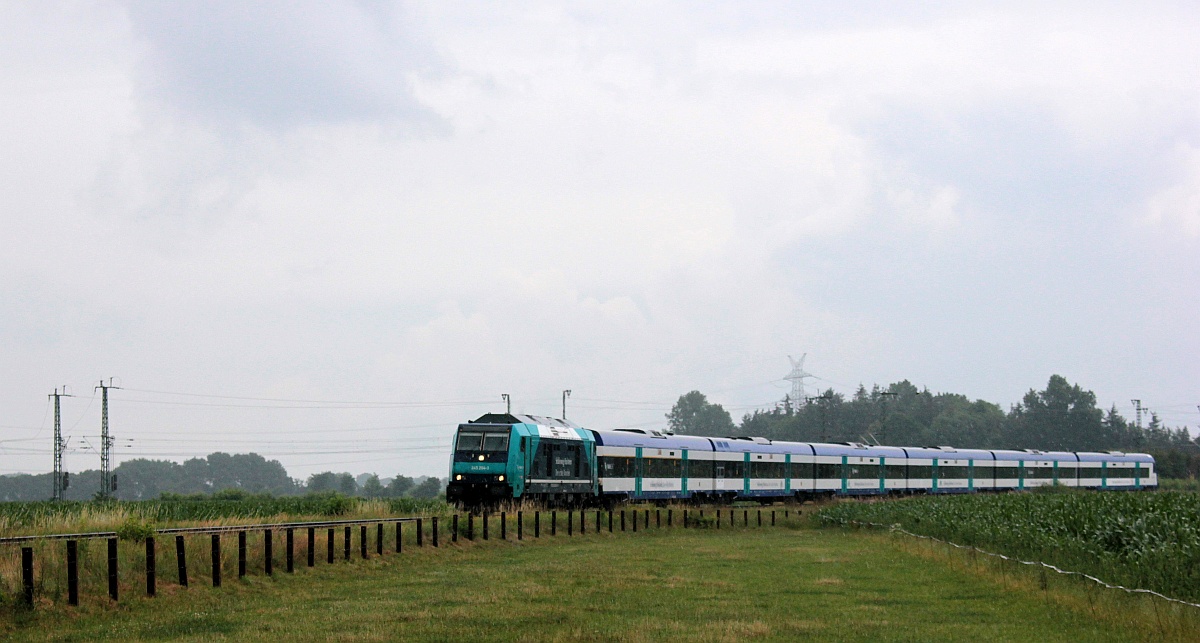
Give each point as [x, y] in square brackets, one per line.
[792, 582]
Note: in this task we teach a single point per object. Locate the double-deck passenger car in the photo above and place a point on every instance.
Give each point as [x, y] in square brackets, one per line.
[508, 457]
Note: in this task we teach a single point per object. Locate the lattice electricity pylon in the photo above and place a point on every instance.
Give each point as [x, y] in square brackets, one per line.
[797, 377]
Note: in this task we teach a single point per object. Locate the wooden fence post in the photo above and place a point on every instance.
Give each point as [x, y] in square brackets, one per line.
[216, 560]
[537, 524]
[347, 543]
[150, 580]
[27, 575]
[420, 534]
[622, 520]
[291, 552]
[362, 541]
[181, 560]
[268, 554]
[485, 525]
[312, 546]
[399, 533]
[553, 522]
[330, 545]
[112, 568]
[241, 554]
[72, 572]
[520, 525]
[379, 539]
[434, 528]
[503, 526]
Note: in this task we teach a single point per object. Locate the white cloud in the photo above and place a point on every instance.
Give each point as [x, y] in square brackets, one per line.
[1178, 206]
[446, 203]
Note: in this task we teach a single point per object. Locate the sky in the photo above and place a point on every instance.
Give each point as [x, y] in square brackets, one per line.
[328, 232]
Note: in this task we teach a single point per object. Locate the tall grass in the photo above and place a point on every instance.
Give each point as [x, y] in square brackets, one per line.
[1148, 540]
[134, 520]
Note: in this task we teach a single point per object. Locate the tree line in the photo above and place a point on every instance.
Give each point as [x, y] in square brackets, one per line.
[142, 479]
[1061, 417]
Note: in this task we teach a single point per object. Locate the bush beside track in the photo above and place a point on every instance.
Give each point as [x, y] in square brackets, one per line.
[1148, 540]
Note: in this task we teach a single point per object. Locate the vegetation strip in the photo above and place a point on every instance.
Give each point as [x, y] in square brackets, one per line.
[1144, 540]
[1067, 572]
[696, 585]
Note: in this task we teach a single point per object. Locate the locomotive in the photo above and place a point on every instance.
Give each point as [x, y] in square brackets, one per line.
[504, 457]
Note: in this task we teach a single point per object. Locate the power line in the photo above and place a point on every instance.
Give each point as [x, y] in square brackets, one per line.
[299, 401]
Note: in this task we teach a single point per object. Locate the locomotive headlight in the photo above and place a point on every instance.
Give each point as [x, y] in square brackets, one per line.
[500, 479]
[481, 458]
[458, 477]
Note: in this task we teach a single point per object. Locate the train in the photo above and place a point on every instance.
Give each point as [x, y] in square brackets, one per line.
[503, 457]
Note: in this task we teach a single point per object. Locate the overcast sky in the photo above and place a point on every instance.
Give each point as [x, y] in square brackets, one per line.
[374, 219]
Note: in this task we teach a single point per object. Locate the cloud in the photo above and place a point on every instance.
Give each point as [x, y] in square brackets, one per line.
[357, 202]
[281, 65]
[1178, 206]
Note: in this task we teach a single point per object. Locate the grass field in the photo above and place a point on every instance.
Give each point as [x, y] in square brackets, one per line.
[1148, 540]
[765, 584]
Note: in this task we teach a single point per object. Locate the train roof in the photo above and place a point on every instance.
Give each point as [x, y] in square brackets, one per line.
[1114, 456]
[650, 438]
[510, 418]
[758, 445]
[856, 449]
[1034, 454]
[946, 452]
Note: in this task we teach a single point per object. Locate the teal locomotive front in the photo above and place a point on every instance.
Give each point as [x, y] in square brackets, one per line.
[503, 457]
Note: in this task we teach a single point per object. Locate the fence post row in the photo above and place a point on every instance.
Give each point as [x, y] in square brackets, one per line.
[216, 560]
[112, 568]
[72, 562]
[72, 572]
[150, 579]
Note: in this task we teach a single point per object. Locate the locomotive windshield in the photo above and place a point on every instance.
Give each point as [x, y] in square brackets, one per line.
[478, 442]
[481, 445]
